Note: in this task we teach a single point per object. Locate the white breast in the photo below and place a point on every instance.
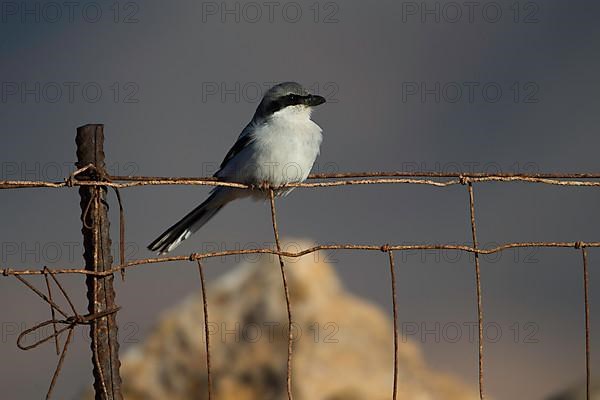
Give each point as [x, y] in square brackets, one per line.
[285, 147]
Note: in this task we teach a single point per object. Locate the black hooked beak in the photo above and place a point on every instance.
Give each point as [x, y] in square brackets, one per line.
[313, 100]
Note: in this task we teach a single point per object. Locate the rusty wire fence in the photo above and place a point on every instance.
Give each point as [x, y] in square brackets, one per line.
[93, 183]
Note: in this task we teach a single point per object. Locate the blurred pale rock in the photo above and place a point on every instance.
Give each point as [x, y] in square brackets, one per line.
[343, 348]
[578, 392]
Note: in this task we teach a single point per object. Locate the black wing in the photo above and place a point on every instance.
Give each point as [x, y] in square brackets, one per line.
[242, 142]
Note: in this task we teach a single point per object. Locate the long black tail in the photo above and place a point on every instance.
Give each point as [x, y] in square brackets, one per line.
[189, 224]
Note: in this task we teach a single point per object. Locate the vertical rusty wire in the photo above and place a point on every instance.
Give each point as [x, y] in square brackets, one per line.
[395, 308]
[287, 296]
[53, 306]
[478, 285]
[121, 232]
[206, 330]
[41, 295]
[586, 285]
[64, 293]
[60, 362]
[52, 313]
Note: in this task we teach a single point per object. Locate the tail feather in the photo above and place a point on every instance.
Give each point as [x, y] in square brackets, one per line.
[188, 225]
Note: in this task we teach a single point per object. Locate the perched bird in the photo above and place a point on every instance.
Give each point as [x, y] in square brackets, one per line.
[278, 146]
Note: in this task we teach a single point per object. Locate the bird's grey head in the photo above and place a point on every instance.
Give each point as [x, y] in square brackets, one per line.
[284, 95]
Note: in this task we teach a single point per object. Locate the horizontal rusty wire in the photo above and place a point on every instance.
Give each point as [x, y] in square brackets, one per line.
[224, 253]
[331, 180]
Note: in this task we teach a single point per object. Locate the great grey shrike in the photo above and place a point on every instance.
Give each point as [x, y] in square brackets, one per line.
[278, 146]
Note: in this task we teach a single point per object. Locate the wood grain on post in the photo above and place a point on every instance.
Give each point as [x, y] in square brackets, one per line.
[97, 255]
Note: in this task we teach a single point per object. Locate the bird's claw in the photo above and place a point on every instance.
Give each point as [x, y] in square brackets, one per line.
[264, 186]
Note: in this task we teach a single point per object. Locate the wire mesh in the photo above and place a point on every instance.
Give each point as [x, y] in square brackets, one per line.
[435, 179]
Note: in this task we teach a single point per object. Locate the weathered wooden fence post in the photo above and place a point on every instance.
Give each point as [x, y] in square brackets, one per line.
[98, 258]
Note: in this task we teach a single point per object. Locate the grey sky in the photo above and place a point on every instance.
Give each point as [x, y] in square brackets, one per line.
[178, 83]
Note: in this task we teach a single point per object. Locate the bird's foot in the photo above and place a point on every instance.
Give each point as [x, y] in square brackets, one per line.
[264, 186]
